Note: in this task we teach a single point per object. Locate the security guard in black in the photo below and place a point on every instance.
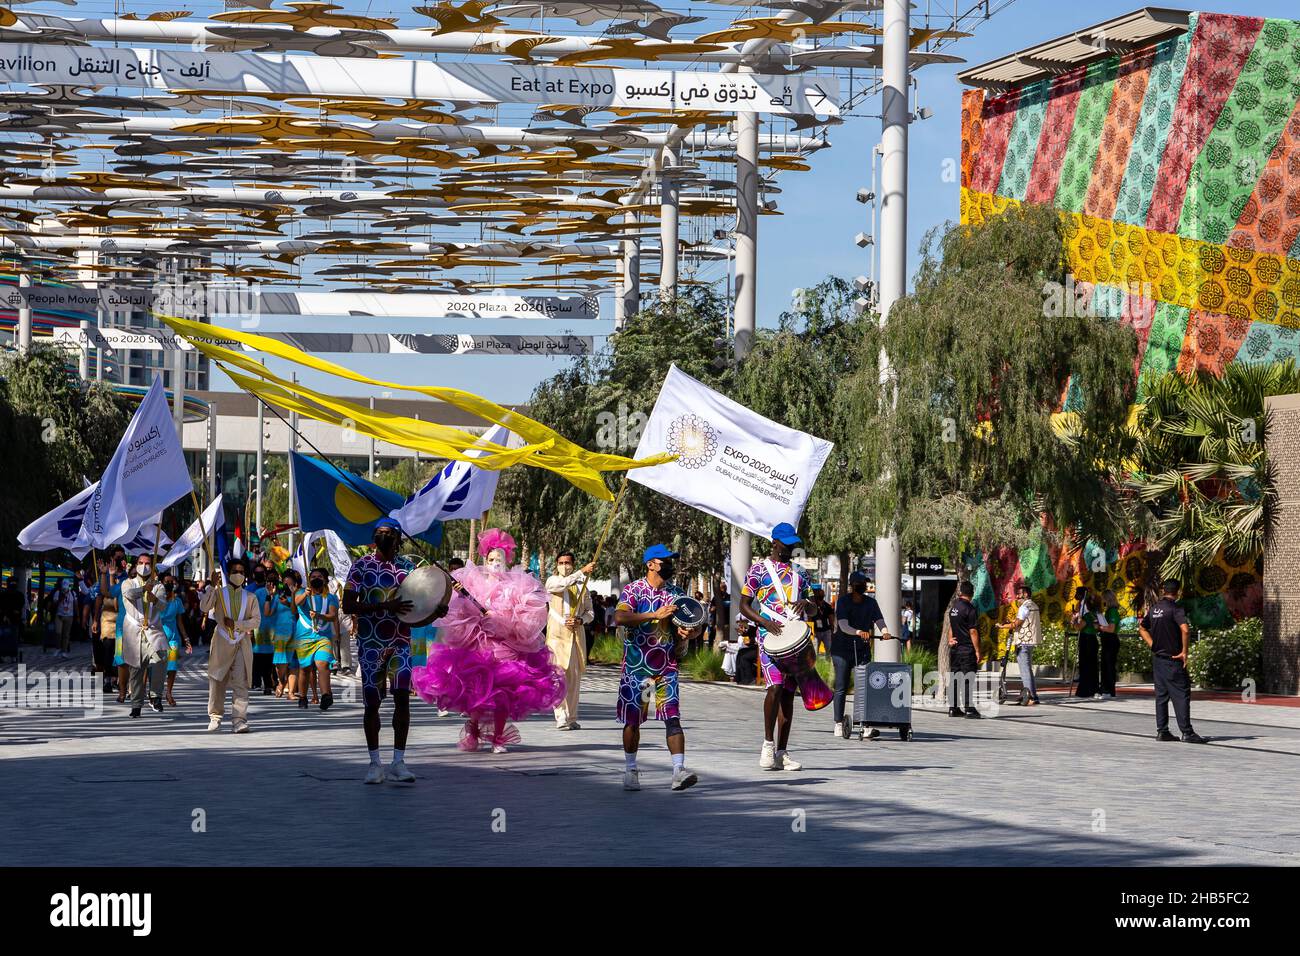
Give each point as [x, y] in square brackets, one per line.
[1163, 628]
[963, 655]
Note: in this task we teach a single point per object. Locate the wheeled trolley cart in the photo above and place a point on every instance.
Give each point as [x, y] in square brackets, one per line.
[882, 697]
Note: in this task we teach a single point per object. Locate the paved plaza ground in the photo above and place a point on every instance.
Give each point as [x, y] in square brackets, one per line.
[1065, 783]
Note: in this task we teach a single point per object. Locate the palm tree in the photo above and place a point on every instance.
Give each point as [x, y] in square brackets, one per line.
[1200, 465]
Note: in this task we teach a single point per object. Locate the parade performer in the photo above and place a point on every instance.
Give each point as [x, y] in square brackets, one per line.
[174, 630]
[144, 645]
[650, 654]
[383, 644]
[566, 632]
[493, 667]
[230, 657]
[317, 612]
[775, 585]
[278, 613]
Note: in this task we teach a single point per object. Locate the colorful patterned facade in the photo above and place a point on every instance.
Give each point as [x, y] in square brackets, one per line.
[1176, 171]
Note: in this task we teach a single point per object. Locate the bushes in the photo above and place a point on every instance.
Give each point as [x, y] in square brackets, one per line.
[926, 658]
[608, 649]
[1225, 658]
[1134, 655]
[704, 664]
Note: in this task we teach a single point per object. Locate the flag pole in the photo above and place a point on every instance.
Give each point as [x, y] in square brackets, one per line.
[207, 547]
[456, 585]
[600, 544]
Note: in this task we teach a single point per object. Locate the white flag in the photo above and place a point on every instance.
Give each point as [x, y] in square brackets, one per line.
[212, 520]
[460, 490]
[733, 463]
[59, 527]
[142, 542]
[339, 557]
[146, 474]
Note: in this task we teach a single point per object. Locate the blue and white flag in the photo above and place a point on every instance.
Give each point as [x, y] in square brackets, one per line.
[142, 542]
[59, 527]
[460, 490]
[212, 521]
[146, 474]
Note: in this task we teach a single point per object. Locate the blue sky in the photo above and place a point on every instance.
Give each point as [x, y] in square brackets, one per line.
[815, 236]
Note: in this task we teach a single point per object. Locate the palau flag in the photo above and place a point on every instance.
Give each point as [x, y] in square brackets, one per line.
[335, 500]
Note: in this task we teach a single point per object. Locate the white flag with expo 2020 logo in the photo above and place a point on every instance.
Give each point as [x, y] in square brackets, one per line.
[732, 462]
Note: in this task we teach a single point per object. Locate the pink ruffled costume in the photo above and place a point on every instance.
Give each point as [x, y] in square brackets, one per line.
[493, 667]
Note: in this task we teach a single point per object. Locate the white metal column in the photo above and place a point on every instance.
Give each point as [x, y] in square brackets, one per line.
[668, 226]
[293, 492]
[213, 483]
[370, 470]
[259, 486]
[178, 390]
[83, 357]
[746, 309]
[24, 318]
[893, 266]
[631, 268]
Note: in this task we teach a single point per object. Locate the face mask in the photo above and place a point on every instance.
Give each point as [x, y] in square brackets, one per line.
[170, 586]
[237, 578]
[317, 584]
[142, 570]
[666, 569]
[496, 561]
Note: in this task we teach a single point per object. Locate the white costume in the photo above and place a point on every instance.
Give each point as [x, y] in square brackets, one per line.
[144, 645]
[568, 646]
[230, 660]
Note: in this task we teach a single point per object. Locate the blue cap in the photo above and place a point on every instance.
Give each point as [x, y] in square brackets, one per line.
[857, 576]
[657, 551]
[785, 533]
[387, 522]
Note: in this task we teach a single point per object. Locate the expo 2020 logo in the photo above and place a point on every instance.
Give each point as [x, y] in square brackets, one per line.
[693, 440]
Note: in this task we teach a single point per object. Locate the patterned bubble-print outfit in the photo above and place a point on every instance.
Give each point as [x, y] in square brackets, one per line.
[648, 663]
[779, 597]
[383, 641]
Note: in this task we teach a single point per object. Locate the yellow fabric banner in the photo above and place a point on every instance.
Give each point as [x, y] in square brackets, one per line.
[546, 448]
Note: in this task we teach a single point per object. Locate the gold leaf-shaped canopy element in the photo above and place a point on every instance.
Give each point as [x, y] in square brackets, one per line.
[302, 16]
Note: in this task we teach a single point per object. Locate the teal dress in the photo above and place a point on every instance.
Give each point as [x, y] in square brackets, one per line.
[315, 642]
[264, 640]
[116, 591]
[171, 610]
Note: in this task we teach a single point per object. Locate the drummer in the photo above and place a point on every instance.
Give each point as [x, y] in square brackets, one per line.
[650, 664]
[383, 644]
[775, 585]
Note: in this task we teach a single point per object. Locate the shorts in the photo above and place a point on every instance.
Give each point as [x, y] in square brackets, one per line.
[772, 675]
[314, 650]
[282, 648]
[637, 686]
[394, 660]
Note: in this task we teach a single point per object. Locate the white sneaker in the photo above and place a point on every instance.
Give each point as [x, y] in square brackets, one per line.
[683, 778]
[375, 773]
[839, 730]
[767, 759]
[214, 724]
[397, 771]
[631, 780]
[498, 748]
[443, 713]
[785, 762]
[240, 729]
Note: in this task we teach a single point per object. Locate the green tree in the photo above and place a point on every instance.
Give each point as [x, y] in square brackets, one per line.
[791, 375]
[958, 444]
[1200, 466]
[65, 431]
[602, 402]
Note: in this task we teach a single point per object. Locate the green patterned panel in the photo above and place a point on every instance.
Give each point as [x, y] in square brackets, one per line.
[1153, 128]
[984, 599]
[1238, 148]
[1168, 328]
[1036, 566]
[1085, 136]
[1023, 144]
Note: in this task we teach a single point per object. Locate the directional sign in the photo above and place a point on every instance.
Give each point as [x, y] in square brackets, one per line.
[422, 305]
[136, 68]
[59, 298]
